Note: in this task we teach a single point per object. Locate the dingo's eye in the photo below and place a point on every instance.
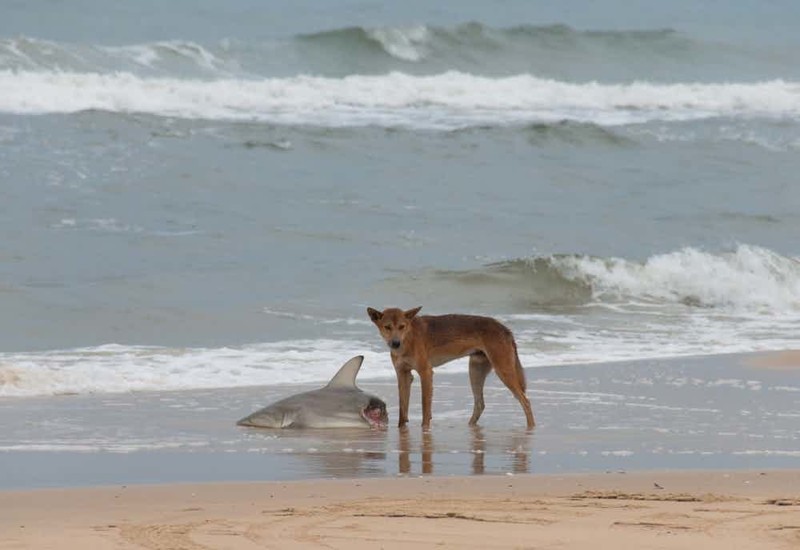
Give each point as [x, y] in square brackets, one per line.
[401, 327]
[387, 327]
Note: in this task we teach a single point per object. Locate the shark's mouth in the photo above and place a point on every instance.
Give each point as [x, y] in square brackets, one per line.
[375, 414]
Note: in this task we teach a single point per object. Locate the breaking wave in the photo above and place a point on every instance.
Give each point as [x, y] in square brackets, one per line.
[118, 368]
[417, 76]
[747, 279]
[174, 57]
[470, 46]
[477, 44]
[575, 309]
[446, 101]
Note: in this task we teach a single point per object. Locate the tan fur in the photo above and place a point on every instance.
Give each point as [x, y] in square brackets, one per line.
[424, 342]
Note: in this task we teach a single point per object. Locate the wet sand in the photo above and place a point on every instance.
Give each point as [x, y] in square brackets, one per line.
[665, 453]
[663, 510]
[788, 360]
[713, 412]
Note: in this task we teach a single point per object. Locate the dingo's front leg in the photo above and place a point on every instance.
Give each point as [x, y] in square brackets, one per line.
[426, 379]
[404, 379]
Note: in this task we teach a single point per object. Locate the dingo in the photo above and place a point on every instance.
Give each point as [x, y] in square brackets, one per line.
[424, 342]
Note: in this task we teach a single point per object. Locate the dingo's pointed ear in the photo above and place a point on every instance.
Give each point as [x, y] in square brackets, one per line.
[411, 312]
[374, 314]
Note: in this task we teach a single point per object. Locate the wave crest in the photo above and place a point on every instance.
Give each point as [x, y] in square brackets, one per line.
[747, 279]
[556, 51]
[172, 57]
[420, 42]
[402, 43]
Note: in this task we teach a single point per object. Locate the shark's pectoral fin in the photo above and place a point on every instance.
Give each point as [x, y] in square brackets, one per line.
[270, 419]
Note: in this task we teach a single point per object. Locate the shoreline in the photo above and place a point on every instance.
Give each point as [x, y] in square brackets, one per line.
[657, 509]
[720, 412]
[655, 454]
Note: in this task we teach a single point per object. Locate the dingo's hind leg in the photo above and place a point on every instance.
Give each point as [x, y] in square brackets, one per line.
[509, 371]
[479, 368]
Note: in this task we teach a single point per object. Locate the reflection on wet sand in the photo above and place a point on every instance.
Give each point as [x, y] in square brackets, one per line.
[478, 451]
[454, 450]
[404, 451]
[332, 453]
[515, 446]
[356, 463]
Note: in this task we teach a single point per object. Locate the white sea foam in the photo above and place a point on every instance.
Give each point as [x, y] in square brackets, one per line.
[108, 446]
[151, 54]
[408, 44]
[621, 453]
[119, 369]
[36, 54]
[751, 297]
[747, 279]
[768, 452]
[116, 368]
[448, 100]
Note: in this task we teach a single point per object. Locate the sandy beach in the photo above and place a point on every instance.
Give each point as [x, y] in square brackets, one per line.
[643, 510]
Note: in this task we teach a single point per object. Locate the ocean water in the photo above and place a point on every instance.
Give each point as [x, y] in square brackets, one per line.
[199, 195]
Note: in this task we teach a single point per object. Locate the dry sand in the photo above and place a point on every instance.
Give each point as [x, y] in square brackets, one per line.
[661, 510]
[783, 360]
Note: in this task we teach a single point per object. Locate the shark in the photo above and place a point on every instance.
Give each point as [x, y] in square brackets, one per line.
[340, 404]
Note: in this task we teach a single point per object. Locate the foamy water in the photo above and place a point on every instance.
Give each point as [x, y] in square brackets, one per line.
[750, 279]
[446, 101]
[680, 413]
[688, 302]
[117, 368]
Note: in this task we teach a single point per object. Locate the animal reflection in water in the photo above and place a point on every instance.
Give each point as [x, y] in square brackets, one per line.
[517, 449]
[357, 452]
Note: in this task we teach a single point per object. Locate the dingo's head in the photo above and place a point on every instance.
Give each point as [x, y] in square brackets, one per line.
[393, 323]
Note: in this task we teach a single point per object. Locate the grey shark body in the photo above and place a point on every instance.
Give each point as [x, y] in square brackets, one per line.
[340, 404]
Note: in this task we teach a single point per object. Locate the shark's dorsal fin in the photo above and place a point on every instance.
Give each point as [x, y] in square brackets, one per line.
[346, 377]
